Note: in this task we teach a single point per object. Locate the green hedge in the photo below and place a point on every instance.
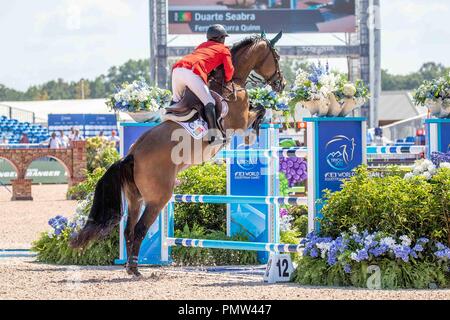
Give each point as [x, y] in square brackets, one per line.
[208, 179]
[414, 207]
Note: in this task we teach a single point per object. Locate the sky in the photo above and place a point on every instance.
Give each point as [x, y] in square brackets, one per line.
[72, 39]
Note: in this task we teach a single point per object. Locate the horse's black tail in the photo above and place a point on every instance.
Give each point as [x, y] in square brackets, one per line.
[106, 211]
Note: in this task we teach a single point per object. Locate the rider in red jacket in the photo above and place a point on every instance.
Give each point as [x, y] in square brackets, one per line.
[192, 71]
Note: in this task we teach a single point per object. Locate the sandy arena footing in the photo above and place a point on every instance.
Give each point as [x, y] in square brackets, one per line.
[23, 278]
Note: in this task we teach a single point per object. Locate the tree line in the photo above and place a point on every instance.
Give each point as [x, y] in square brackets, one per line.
[106, 84]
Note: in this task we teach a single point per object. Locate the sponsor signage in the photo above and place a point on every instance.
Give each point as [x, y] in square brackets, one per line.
[187, 17]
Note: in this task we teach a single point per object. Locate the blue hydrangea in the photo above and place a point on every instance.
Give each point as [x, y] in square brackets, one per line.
[402, 252]
[347, 268]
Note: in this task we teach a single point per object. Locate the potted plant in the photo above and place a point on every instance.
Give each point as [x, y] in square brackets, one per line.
[435, 94]
[142, 102]
[276, 104]
[326, 93]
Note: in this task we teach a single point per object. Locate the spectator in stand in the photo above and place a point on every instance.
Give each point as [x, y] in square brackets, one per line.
[54, 142]
[114, 138]
[102, 136]
[24, 139]
[71, 134]
[65, 142]
[77, 136]
[4, 140]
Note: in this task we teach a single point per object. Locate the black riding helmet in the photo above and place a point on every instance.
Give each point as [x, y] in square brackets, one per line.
[216, 32]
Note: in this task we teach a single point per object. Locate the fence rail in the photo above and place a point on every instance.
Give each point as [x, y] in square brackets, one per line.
[18, 114]
[234, 245]
[180, 198]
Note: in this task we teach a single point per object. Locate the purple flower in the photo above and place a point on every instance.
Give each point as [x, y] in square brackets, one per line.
[402, 252]
[418, 248]
[283, 212]
[347, 268]
[314, 253]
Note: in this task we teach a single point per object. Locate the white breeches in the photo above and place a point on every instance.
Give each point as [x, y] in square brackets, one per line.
[182, 78]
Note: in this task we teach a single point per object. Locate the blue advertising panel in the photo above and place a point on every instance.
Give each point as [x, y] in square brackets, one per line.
[338, 146]
[438, 135]
[65, 120]
[445, 136]
[95, 123]
[89, 125]
[150, 252]
[250, 176]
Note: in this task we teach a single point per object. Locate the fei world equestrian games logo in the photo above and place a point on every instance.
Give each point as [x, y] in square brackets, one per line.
[340, 152]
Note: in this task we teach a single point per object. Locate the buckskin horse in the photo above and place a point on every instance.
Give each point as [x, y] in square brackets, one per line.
[147, 175]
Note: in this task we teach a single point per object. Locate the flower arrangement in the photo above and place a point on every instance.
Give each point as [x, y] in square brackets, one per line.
[139, 97]
[327, 93]
[441, 159]
[428, 168]
[402, 260]
[269, 99]
[435, 94]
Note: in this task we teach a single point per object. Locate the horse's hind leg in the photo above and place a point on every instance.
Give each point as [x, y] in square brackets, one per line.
[149, 217]
[134, 209]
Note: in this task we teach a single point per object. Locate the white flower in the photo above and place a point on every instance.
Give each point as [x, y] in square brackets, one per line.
[432, 169]
[354, 256]
[50, 234]
[354, 229]
[406, 241]
[418, 169]
[388, 241]
[427, 175]
[349, 90]
[445, 165]
[409, 175]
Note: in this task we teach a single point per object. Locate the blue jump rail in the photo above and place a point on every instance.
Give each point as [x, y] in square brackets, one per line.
[263, 153]
[395, 149]
[239, 199]
[302, 152]
[234, 245]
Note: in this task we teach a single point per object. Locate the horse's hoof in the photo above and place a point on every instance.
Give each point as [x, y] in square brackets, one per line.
[133, 271]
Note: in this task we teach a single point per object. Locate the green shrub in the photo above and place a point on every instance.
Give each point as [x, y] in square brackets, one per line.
[300, 222]
[210, 257]
[56, 250]
[397, 206]
[210, 179]
[100, 153]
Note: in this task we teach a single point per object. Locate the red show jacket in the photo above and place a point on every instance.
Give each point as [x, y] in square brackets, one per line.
[207, 57]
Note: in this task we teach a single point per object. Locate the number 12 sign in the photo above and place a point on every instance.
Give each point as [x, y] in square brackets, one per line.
[279, 268]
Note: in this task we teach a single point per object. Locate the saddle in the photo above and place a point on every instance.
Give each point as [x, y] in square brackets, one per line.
[190, 107]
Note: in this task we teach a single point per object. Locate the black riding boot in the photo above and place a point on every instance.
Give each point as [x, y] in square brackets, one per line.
[211, 119]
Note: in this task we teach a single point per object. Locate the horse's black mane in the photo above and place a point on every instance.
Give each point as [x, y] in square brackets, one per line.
[244, 43]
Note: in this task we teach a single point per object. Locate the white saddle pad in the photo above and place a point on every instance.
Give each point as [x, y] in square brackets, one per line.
[198, 129]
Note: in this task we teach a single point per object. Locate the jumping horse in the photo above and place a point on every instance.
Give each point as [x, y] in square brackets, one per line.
[147, 175]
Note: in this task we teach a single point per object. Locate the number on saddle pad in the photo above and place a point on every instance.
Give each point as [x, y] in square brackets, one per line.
[279, 268]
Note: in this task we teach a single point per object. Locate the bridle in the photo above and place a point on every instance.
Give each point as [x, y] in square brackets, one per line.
[276, 80]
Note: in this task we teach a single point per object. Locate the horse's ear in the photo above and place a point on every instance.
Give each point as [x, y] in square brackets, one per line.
[277, 38]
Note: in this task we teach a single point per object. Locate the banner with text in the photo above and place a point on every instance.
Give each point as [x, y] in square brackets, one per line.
[271, 16]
